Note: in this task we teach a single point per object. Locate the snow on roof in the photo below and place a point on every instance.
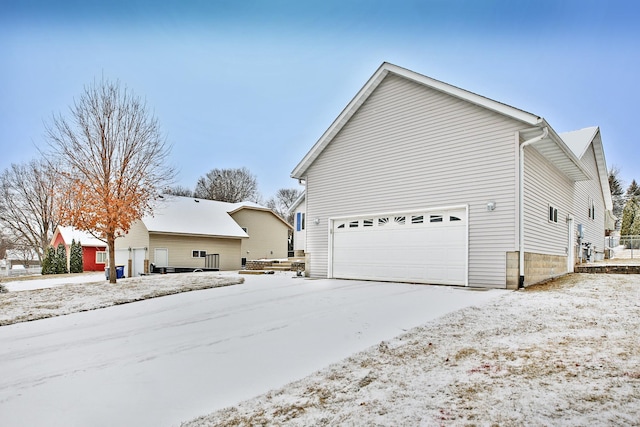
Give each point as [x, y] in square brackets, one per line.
[70, 233]
[579, 140]
[186, 215]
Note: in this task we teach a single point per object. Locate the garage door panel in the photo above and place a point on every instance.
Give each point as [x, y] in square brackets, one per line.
[417, 247]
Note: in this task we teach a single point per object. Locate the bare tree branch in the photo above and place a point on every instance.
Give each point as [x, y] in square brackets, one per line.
[227, 185]
[28, 203]
[115, 158]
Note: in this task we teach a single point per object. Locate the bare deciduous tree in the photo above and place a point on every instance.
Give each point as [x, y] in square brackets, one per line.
[282, 202]
[116, 161]
[228, 185]
[179, 190]
[28, 203]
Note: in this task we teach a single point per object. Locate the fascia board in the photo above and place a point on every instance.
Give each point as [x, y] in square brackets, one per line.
[351, 108]
[566, 150]
[466, 95]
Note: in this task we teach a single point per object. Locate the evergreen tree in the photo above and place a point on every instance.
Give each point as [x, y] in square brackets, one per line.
[61, 259]
[48, 266]
[633, 190]
[630, 221]
[75, 258]
[628, 217]
[617, 193]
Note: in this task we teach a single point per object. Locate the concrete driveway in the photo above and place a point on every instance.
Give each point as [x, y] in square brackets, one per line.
[162, 361]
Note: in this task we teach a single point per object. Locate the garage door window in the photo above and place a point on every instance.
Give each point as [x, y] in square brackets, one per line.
[435, 218]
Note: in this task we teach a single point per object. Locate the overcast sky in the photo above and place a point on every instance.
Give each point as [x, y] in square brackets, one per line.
[256, 83]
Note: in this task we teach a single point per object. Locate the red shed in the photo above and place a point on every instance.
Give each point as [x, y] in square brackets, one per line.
[94, 251]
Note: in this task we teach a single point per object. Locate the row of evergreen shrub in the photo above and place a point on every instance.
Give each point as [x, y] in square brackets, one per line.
[55, 260]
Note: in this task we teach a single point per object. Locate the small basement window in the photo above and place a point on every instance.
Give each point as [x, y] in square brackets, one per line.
[553, 214]
[198, 254]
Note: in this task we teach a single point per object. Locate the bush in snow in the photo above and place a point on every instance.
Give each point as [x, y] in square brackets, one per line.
[60, 260]
[48, 266]
[75, 258]
[3, 289]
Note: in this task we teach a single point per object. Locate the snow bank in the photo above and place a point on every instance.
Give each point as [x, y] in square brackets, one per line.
[567, 353]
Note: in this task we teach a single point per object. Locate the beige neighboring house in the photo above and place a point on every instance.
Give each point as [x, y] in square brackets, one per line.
[186, 233]
[421, 181]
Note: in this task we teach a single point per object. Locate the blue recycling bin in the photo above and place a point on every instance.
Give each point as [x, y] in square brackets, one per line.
[119, 272]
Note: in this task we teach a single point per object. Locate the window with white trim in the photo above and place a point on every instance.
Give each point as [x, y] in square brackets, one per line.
[198, 254]
[592, 209]
[553, 214]
[101, 257]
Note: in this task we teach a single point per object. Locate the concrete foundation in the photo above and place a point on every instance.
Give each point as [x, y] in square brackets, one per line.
[537, 268]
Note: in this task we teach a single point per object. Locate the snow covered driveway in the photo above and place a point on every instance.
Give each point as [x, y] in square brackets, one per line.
[165, 360]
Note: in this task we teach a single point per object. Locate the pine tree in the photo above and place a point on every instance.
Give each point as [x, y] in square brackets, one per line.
[61, 260]
[633, 190]
[75, 258]
[48, 266]
[617, 193]
[630, 220]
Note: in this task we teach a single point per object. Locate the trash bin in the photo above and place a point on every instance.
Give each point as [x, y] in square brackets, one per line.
[119, 272]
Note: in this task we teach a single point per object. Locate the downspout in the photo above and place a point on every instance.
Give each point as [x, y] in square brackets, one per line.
[545, 132]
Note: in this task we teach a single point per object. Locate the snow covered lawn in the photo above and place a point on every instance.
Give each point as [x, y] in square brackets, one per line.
[56, 296]
[566, 353]
[166, 360]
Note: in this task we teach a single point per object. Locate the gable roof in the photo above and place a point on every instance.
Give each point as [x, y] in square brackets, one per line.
[70, 234]
[552, 147]
[186, 215]
[579, 141]
[256, 207]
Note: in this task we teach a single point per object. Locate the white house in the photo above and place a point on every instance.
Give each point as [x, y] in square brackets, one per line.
[299, 224]
[421, 181]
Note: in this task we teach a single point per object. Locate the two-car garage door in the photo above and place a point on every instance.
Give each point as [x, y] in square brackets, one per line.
[421, 247]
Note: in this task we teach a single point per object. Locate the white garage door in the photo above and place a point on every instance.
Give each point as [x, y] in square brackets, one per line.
[420, 247]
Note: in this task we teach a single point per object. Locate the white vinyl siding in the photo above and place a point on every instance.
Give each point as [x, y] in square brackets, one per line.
[590, 190]
[545, 187]
[410, 146]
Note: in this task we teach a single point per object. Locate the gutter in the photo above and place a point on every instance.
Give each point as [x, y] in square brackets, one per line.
[545, 133]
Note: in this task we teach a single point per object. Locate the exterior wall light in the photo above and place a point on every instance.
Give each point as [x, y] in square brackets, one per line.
[316, 221]
[491, 206]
